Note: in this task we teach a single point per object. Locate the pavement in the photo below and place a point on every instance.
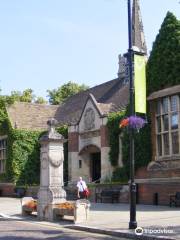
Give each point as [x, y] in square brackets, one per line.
[155, 222]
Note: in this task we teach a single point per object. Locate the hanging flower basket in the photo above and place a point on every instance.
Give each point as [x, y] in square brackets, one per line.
[133, 122]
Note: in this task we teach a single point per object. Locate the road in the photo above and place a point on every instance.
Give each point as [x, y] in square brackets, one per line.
[11, 229]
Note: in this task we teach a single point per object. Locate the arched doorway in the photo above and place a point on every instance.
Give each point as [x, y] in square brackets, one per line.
[94, 156]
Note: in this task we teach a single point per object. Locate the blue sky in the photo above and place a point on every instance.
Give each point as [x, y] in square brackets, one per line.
[46, 43]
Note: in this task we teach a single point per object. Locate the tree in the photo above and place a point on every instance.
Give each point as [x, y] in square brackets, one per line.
[16, 95]
[25, 96]
[57, 96]
[40, 100]
[163, 67]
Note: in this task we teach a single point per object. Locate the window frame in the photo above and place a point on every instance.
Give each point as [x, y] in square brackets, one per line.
[80, 163]
[2, 149]
[161, 115]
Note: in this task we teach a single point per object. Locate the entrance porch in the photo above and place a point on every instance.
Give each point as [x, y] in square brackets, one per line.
[90, 159]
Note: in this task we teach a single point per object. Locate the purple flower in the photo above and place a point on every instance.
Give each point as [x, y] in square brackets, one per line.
[136, 122]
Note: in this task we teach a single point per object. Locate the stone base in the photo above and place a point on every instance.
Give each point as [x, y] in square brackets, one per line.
[46, 198]
[45, 212]
[81, 213]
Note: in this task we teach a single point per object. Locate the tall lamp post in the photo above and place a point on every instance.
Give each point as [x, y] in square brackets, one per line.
[132, 222]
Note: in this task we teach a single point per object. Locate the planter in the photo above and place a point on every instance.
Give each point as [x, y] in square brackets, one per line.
[79, 211]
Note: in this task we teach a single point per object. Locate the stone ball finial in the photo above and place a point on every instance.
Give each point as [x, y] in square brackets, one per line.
[52, 122]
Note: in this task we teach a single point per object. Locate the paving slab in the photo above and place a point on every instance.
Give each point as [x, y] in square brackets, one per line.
[157, 222]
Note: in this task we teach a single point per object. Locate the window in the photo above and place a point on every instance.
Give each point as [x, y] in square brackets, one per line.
[80, 163]
[3, 147]
[167, 126]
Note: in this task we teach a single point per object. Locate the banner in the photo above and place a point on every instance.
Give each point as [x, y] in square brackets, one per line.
[140, 83]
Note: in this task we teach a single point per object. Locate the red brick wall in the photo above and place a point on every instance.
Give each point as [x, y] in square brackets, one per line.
[104, 136]
[142, 173]
[146, 192]
[165, 174]
[73, 142]
[7, 189]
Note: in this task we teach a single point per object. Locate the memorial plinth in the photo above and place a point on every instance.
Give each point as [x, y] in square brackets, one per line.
[51, 176]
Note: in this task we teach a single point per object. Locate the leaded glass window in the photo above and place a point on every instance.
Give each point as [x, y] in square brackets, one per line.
[167, 126]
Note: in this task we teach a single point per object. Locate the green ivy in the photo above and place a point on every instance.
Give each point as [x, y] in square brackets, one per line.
[114, 131]
[5, 129]
[142, 146]
[23, 151]
[64, 131]
[26, 157]
[120, 174]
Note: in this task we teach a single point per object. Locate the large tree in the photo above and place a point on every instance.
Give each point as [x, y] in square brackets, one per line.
[60, 95]
[163, 69]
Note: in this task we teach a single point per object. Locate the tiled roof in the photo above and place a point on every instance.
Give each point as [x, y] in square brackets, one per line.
[110, 96]
[30, 116]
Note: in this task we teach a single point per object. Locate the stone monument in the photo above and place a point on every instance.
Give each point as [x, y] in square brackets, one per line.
[51, 172]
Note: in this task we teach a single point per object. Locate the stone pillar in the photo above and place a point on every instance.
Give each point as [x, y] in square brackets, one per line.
[73, 152]
[106, 168]
[51, 172]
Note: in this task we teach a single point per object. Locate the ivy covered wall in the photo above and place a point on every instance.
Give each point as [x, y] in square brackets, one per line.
[5, 128]
[142, 146]
[25, 156]
[22, 163]
[23, 151]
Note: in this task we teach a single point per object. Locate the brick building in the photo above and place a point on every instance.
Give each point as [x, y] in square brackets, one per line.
[86, 116]
[161, 178]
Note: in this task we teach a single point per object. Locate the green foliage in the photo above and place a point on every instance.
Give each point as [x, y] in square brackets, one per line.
[163, 67]
[59, 95]
[163, 70]
[142, 146]
[22, 163]
[40, 100]
[5, 128]
[114, 131]
[25, 96]
[64, 131]
[120, 174]
[25, 157]
[23, 150]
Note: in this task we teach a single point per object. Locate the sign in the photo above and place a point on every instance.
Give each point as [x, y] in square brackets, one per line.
[140, 83]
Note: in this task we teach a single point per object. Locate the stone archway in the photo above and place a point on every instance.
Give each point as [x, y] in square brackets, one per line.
[93, 154]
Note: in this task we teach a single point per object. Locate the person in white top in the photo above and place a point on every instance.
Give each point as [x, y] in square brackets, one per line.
[81, 186]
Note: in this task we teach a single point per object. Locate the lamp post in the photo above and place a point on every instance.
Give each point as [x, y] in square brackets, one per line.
[132, 222]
